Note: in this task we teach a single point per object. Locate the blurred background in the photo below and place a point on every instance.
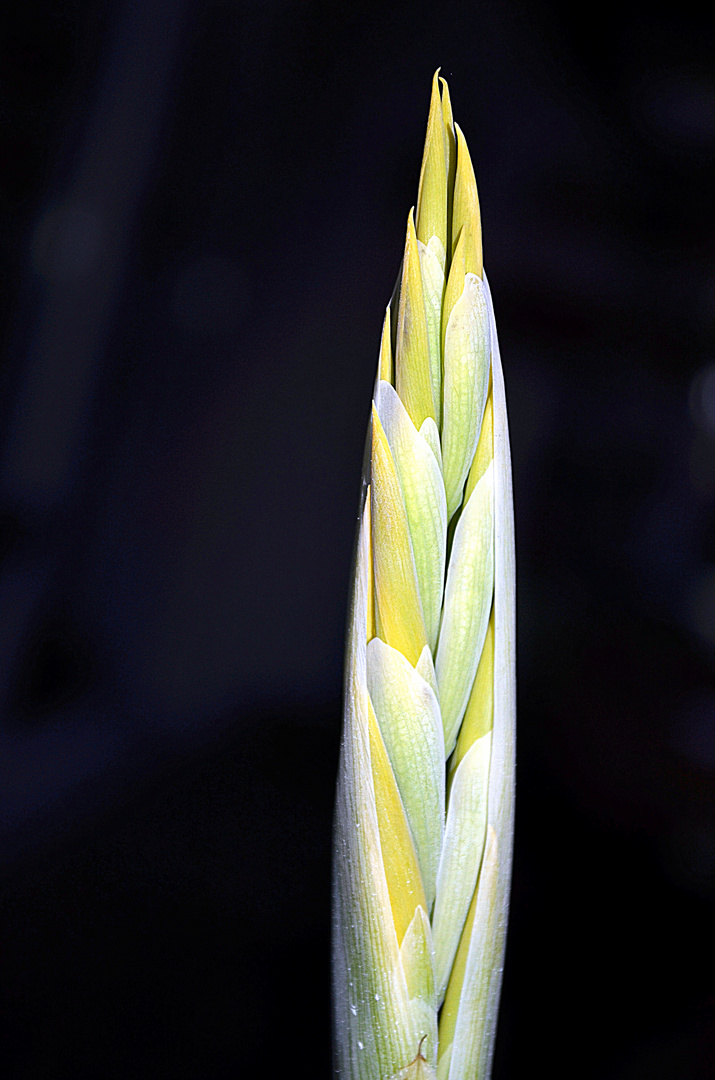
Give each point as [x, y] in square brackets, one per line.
[202, 207]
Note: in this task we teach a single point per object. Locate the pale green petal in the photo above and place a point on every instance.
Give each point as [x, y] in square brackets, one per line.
[465, 1019]
[402, 873]
[411, 726]
[500, 814]
[461, 855]
[416, 954]
[468, 1019]
[432, 265]
[466, 380]
[423, 491]
[467, 603]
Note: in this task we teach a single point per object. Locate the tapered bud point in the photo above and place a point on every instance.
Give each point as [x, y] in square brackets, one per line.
[466, 207]
[446, 104]
[432, 196]
[385, 367]
[451, 147]
[424, 814]
[413, 377]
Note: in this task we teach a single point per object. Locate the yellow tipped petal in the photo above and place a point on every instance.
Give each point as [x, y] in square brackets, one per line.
[398, 610]
[404, 883]
[385, 367]
[466, 207]
[412, 359]
[432, 195]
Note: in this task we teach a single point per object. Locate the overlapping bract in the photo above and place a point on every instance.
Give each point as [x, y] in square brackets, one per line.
[424, 810]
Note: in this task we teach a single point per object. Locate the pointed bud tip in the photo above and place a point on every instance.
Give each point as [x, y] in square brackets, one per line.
[432, 193]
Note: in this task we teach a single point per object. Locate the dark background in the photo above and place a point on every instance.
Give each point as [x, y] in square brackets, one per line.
[202, 208]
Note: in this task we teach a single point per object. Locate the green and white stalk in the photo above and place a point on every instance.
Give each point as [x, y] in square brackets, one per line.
[424, 814]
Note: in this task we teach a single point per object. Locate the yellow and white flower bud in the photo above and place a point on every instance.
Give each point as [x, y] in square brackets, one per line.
[424, 812]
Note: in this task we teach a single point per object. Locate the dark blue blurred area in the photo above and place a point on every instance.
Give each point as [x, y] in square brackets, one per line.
[202, 209]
